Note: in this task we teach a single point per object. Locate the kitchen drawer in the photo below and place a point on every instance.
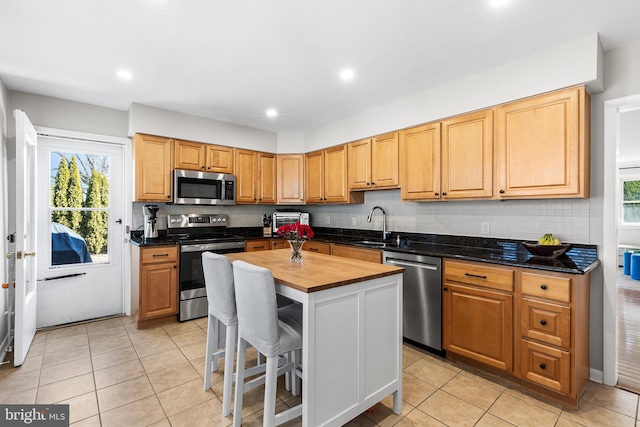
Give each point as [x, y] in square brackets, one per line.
[159, 254]
[479, 275]
[317, 247]
[545, 366]
[546, 286]
[549, 323]
[257, 245]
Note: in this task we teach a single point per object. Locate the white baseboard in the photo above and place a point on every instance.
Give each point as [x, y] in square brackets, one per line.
[596, 376]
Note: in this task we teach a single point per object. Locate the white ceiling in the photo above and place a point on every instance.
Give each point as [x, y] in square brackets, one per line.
[231, 60]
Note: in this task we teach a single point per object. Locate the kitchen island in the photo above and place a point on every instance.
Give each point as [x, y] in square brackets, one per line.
[352, 331]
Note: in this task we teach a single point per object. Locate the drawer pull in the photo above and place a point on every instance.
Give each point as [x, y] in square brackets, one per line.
[313, 249]
[160, 255]
[543, 322]
[475, 275]
[543, 366]
[259, 247]
[543, 287]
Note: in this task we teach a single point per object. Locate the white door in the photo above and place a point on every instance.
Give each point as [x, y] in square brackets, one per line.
[81, 242]
[26, 238]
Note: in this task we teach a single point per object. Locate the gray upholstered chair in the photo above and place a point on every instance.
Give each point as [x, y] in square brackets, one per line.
[218, 279]
[260, 327]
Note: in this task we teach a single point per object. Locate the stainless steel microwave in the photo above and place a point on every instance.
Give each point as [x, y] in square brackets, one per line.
[203, 188]
[282, 218]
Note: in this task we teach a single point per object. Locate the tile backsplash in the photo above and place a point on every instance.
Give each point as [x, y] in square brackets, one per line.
[568, 219]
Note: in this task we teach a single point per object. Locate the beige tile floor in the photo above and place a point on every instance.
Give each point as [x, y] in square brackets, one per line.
[112, 374]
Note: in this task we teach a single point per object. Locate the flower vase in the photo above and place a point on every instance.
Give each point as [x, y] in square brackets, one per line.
[296, 251]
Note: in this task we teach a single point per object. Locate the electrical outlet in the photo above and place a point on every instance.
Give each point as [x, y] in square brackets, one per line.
[485, 228]
[353, 220]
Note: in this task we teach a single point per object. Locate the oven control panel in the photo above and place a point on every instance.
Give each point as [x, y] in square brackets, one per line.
[196, 220]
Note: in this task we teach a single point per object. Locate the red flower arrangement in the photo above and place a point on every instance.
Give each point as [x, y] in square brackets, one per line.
[296, 232]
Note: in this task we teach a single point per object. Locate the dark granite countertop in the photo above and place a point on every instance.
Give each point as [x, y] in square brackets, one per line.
[580, 258]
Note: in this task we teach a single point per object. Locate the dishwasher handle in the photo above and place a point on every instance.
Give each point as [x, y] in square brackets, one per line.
[405, 263]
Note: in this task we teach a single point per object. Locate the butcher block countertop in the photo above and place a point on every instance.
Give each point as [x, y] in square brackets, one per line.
[317, 271]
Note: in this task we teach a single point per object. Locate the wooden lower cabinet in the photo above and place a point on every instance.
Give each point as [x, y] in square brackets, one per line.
[362, 254]
[257, 245]
[318, 247]
[154, 284]
[478, 313]
[528, 324]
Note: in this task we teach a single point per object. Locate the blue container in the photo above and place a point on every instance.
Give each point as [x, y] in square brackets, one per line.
[626, 262]
[635, 266]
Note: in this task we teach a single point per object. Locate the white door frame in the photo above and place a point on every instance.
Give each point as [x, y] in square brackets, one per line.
[127, 199]
[612, 110]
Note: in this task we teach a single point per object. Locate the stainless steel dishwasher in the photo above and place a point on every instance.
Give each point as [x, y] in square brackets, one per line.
[422, 297]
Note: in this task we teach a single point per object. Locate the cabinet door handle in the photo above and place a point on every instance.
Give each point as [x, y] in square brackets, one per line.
[501, 191]
[160, 255]
[543, 366]
[437, 194]
[543, 322]
[445, 289]
[475, 275]
[543, 287]
[444, 194]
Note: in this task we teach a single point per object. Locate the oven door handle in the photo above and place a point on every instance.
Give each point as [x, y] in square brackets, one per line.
[238, 247]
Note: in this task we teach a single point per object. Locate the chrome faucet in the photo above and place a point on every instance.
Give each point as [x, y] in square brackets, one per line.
[384, 220]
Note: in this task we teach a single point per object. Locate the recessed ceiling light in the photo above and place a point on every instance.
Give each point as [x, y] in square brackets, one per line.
[124, 74]
[346, 74]
[271, 112]
[498, 3]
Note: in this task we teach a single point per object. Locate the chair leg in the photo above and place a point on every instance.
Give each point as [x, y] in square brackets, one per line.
[296, 356]
[269, 412]
[208, 357]
[237, 404]
[216, 341]
[228, 370]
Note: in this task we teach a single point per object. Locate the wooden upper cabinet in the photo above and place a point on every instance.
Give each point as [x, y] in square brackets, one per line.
[255, 177]
[246, 175]
[360, 165]
[314, 177]
[203, 157]
[542, 146]
[189, 155]
[219, 159]
[335, 176]
[384, 161]
[266, 185]
[153, 168]
[420, 162]
[373, 163]
[467, 156]
[290, 181]
[326, 176]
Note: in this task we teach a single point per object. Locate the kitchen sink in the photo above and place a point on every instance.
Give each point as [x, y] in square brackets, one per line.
[372, 243]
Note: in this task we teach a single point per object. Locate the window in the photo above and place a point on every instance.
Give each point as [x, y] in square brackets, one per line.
[631, 201]
[78, 208]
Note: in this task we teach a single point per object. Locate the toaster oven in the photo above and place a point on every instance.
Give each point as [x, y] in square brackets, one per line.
[282, 218]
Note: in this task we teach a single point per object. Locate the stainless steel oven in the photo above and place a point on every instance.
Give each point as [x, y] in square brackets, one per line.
[196, 234]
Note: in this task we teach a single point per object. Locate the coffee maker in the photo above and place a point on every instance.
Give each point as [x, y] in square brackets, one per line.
[150, 221]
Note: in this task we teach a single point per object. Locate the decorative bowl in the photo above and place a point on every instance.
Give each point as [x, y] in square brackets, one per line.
[551, 251]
